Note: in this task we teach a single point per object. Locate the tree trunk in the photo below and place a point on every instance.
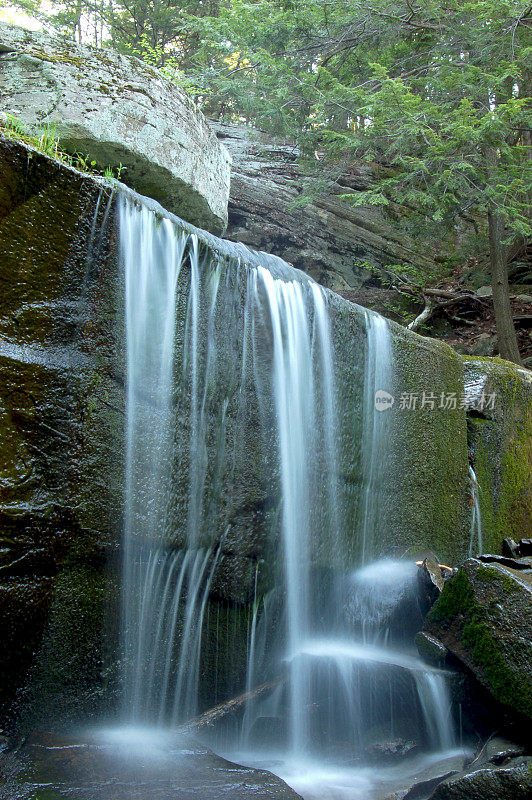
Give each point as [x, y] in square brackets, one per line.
[508, 348]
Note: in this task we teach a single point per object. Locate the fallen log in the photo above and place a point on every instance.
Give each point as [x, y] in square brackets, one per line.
[439, 299]
[228, 708]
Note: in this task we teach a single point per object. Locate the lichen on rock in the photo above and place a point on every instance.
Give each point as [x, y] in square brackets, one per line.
[499, 397]
[119, 112]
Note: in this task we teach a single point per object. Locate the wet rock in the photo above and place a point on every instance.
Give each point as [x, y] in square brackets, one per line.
[496, 750]
[525, 547]
[498, 396]
[61, 407]
[391, 751]
[132, 765]
[483, 617]
[510, 548]
[424, 789]
[513, 563]
[431, 649]
[434, 572]
[511, 782]
[430, 583]
[504, 756]
[118, 110]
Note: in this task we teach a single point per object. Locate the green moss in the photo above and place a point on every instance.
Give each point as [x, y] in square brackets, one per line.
[504, 684]
[516, 475]
[428, 451]
[493, 575]
[457, 598]
[473, 623]
[502, 448]
[59, 58]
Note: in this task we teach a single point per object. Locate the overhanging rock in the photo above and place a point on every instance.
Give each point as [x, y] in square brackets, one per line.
[117, 110]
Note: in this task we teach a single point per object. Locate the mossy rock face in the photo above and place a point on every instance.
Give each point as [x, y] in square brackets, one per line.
[484, 618]
[499, 397]
[428, 450]
[61, 391]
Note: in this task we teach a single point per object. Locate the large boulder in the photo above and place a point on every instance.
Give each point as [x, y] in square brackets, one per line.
[61, 413]
[118, 110]
[499, 407]
[484, 618]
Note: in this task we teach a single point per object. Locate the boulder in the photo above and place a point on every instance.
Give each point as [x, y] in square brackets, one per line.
[483, 617]
[433, 572]
[510, 548]
[118, 111]
[62, 444]
[511, 782]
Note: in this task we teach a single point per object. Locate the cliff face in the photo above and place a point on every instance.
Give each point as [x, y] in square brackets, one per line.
[61, 406]
[62, 369]
[327, 238]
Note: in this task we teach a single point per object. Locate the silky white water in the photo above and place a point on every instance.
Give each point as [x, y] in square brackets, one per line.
[165, 589]
[376, 432]
[475, 539]
[206, 340]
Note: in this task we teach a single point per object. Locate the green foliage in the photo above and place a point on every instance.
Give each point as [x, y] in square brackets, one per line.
[45, 139]
[434, 95]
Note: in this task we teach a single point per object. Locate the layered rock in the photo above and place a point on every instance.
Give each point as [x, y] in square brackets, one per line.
[118, 111]
[328, 238]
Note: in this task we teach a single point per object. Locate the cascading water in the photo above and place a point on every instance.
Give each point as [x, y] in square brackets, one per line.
[302, 383]
[165, 590]
[324, 635]
[376, 430]
[476, 520]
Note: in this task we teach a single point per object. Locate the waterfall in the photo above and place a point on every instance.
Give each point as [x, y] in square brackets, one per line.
[223, 354]
[302, 385]
[152, 258]
[376, 430]
[476, 519]
[165, 589]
